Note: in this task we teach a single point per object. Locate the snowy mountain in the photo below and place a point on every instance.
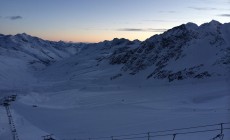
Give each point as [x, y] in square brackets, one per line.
[184, 52]
[76, 90]
[36, 50]
[23, 54]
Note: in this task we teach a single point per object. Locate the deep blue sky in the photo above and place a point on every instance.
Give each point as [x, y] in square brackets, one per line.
[98, 20]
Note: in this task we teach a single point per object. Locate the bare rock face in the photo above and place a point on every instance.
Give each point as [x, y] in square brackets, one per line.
[173, 54]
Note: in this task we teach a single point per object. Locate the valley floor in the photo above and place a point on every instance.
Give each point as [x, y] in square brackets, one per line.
[111, 110]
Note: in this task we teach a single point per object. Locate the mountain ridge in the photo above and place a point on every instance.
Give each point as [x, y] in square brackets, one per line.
[187, 51]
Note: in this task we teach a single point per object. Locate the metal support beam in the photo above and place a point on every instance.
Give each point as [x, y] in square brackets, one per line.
[6, 103]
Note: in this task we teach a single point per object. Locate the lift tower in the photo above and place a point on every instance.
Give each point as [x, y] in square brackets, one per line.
[6, 103]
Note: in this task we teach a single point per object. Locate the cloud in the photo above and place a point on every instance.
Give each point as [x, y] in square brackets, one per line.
[203, 8]
[14, 17]
[160, 20]
[167, 11]
[225, 15]
[156, 20]
[141, 30]
[130, 29]
[208, 9]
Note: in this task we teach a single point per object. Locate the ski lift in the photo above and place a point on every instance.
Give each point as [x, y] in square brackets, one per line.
[48, 137]
[6, 103]
[13, 97]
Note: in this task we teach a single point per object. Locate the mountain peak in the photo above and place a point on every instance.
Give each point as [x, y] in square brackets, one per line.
[119, 41]
[23, 35]
[214, 22]
[211, 26]
[191, 26]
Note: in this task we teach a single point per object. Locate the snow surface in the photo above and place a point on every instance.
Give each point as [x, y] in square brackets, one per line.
[97, 111]
[73, 96]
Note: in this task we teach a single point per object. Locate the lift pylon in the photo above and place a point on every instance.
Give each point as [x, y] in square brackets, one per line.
[6, 103]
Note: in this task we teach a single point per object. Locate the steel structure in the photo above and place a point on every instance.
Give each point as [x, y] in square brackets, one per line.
[6, 103]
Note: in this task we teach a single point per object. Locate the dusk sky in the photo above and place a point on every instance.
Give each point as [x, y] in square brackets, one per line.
[98, 20]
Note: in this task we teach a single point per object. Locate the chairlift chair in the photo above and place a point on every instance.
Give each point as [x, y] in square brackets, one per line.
[6, 104]
[13, 97]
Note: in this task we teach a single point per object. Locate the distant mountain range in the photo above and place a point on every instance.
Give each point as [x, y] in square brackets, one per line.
[187, 51]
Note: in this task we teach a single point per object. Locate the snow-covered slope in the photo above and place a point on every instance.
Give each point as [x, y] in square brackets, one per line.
[176, 79]
[182, 53]
[34, 49]
[22, 54]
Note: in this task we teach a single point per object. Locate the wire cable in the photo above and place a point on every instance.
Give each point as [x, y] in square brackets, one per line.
[129, 136]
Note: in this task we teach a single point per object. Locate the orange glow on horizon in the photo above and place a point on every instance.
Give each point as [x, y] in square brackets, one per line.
[97, 38]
